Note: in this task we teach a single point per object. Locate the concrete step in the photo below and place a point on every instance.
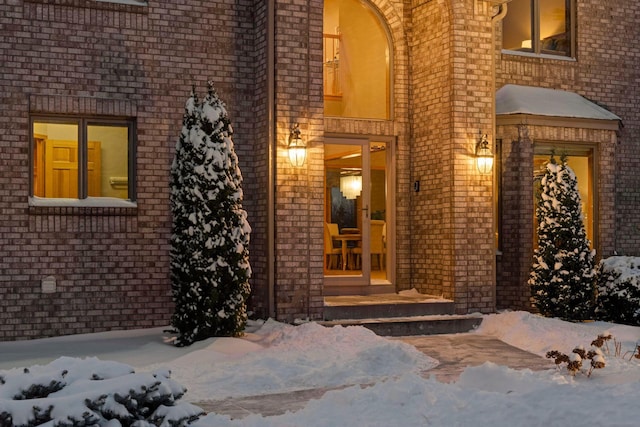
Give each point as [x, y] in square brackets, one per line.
[398, 314]
[386, 309]
[417, 325]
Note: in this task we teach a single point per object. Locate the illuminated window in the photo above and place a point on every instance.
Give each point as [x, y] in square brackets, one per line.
[356, 61]
[581, 162]
[80, 158]
[539, 26]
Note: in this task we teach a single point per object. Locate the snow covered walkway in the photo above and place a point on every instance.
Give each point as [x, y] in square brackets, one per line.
[315, 376]
[454, 352]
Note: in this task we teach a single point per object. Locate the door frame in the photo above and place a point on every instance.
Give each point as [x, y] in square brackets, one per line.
[364, 281]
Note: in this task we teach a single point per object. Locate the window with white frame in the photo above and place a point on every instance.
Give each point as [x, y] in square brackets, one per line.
[539, 27]
[82, 157]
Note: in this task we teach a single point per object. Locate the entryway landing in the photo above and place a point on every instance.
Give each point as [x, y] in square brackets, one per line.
[398, 314]
[404, 297]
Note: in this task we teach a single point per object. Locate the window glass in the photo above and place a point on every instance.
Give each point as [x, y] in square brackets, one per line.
[581, 162]
[55, 162]
[78, 160]
[554, 31]
[108, 161]
[517, 26]
[356, 61]
[539, 26]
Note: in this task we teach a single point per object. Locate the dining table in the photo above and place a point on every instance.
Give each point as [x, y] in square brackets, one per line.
[344, 238]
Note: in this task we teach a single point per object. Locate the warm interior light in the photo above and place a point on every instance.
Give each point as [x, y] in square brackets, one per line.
[526, 44]
[351, 186]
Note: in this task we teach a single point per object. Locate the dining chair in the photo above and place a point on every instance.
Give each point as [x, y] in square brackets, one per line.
[334, 231]
[376, 245]
[332, 252]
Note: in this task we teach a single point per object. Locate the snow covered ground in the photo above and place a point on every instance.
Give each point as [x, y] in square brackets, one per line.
[382, 377]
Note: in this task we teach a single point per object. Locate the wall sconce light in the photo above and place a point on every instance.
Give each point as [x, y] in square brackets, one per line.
[297, 147]
[484, 156]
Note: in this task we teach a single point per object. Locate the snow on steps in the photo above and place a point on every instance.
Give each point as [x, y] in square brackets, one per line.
[398, 314]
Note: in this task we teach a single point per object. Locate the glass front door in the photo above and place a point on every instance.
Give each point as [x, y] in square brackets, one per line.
[357, 230]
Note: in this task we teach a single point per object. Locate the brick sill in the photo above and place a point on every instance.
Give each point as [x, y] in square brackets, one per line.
[114, 5]
[91, 206]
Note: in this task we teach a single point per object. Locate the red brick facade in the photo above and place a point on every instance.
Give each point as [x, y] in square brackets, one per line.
[82, 57]
[108, 60]
[603, 73]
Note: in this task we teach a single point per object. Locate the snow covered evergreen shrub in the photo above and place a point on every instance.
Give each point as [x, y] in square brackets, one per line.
[210, 268]
[181, 168]
[70, 392]
[562, 274]
[618, 286]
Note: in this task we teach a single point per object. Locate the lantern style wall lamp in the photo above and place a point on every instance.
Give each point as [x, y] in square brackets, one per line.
[297, 148]
[484, 156]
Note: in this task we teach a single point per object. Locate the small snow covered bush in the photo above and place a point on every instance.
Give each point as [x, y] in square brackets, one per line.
[579, 356]
[70, 392]
[618, 286]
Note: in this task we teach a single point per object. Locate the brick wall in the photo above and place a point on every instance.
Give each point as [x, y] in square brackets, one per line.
[474, 274]
[431, 244]
[73, 56]
[111, 265]
[516, 232]
[256, 170]
[604, 71]
[299, 191]
[452, 228]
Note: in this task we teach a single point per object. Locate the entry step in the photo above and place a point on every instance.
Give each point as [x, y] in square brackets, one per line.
[407, 304]
[417, 325]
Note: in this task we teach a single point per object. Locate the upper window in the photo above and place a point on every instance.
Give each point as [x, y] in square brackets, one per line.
[80, 158]
[356, 61]
[539, 26]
